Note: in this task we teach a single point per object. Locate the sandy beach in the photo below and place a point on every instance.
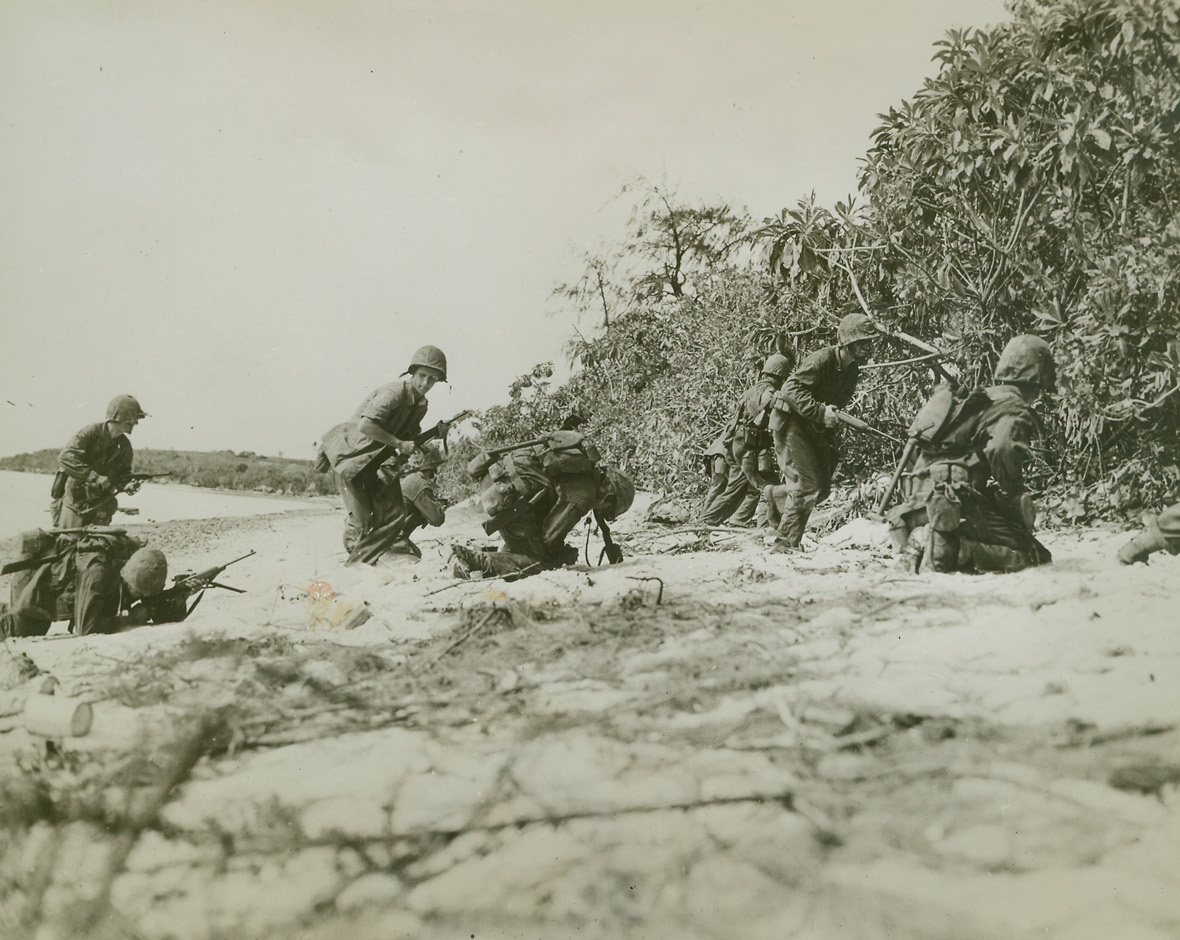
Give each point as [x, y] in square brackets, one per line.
[706, 741]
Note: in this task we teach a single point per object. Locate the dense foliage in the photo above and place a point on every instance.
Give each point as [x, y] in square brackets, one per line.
[1030, 185]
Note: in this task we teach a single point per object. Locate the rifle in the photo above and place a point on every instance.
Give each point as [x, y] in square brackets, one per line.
[140, 477]
[845, 418]
[189, 583]
[478, 465]
[610, 550]
[907, 453]
[439, 431]
[26, 564]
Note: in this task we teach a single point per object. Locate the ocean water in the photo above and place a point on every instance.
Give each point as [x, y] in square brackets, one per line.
[24, 503]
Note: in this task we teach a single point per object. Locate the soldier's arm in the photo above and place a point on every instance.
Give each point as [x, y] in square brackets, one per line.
[73, 457]
[1008, 450]
[119, 470]
[798, 391]
[388, 407]
[428, 505]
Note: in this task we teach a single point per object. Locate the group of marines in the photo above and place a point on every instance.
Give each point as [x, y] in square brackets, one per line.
[964, 505]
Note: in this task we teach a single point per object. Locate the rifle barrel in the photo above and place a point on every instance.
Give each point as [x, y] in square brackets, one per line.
[860, 425]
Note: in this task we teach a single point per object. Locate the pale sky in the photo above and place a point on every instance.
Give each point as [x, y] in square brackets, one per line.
[250, 213]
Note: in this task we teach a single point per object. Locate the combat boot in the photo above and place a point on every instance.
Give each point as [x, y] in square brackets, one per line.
[1142, 545]
[469, 563]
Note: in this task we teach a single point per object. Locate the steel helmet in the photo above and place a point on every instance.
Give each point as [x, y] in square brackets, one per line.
[429, 357]
[1027, 360]
[855, 327]
[146, 571]
[617, 493]
[777, 365]
[124, 408]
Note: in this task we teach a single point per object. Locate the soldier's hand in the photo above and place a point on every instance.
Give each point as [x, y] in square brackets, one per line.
[132, 487]
[830, 419]
[406, 448]
[102, 486]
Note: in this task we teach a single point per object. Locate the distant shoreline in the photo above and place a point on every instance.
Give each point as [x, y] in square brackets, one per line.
[223, 490]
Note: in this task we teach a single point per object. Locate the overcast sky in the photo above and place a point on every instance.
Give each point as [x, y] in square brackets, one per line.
[249, 213]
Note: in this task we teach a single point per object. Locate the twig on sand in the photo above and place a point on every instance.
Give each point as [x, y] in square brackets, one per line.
[531, 569]
[885, 606]
[469, 632]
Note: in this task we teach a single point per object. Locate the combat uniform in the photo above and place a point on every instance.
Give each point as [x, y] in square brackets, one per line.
[967, 493]
[716, 469]
[356, 458]
[535, 498]
[92, 453]
[418, 505]
[745, 479]
[395, 411]
[807, 450]
[83, 585]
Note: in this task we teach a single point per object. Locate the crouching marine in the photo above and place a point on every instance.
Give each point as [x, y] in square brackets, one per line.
[534, 494]
[966, 508]
[99, 579]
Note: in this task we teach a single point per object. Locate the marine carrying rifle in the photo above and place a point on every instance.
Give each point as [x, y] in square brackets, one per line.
[189, 583]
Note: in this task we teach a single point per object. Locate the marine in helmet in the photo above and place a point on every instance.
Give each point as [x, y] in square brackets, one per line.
[101, 581]
[967, 508]
[534, 497]
[417, 505]
[384, 425]
[96, 465]
[742, 446]
[803, 425]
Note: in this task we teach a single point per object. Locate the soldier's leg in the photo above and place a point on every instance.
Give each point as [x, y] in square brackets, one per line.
[359, 507]
[759, 470]
[16, 622]
[944, 510]
[767, 513]
[470, 563]
[984, 556]
[96, 593]
[68, 516]
[719, 470]
[805, 478]
[744, 514]
[1161, 533]
[730, 499]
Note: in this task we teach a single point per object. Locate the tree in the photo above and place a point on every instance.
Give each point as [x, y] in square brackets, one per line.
[1032, 184]
[667, 247]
